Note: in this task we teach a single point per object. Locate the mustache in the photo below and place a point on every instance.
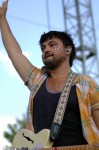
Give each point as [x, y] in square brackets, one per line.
[47, 54]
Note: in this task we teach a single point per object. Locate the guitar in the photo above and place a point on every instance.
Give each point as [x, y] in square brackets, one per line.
[25, 139]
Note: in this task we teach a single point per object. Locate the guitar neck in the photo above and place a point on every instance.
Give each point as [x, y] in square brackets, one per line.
[78, 147]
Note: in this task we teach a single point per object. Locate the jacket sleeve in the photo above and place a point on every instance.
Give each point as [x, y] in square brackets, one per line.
[32, 77]
[94, 94]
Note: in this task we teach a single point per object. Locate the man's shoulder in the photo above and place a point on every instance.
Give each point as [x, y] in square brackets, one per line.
[83, 78]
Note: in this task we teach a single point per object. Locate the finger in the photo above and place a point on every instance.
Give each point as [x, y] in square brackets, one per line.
[5, 2]
[4, 5]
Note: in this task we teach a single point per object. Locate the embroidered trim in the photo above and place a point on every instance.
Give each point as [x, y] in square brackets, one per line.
[59, 114]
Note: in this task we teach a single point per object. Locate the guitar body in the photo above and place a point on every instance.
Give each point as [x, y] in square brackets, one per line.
[27, 139]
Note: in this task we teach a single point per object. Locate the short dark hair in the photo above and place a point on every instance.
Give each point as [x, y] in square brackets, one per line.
[64, 37]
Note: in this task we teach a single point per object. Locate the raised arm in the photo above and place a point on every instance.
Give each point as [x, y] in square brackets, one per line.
[19, 61]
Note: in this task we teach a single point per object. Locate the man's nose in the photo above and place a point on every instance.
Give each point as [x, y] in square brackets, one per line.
[46, 50]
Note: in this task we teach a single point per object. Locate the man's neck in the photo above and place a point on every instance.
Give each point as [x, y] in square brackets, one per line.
[60, 72]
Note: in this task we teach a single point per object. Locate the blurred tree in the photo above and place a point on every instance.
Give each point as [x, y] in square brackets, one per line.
[13, 128]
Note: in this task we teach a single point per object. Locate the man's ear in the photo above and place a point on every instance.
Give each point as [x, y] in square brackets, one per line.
[68, 49]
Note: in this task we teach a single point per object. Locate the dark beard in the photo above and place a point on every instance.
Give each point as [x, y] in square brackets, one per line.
[51, 65]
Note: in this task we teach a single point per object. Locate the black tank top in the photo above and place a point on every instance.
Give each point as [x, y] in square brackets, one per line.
[45, 104]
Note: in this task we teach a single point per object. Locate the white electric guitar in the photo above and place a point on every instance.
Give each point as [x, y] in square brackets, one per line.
[26, 140]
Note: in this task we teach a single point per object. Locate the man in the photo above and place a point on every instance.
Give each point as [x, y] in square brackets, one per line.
[81, 119]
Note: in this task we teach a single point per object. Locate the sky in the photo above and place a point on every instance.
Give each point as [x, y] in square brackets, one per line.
[28, 20]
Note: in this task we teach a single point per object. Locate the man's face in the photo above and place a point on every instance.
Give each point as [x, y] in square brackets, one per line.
[53, 53]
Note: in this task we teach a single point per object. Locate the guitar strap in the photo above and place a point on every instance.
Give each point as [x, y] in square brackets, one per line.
[60, 110]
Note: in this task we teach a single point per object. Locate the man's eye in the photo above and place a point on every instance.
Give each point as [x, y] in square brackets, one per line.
[52, 44]
[42, 48]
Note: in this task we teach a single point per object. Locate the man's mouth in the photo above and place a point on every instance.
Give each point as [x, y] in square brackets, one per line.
[47, 56]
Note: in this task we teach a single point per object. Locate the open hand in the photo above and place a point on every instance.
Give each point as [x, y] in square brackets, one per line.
[3, 8]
